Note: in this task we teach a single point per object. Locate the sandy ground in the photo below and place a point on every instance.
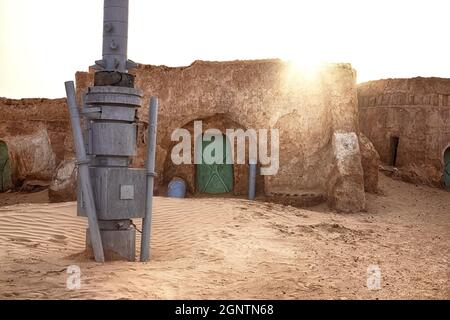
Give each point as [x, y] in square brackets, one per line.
[232, 248]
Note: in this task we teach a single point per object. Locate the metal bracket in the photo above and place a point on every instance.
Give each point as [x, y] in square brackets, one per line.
[81, 162]
[99, 65]
[91, 112]
[131, 64]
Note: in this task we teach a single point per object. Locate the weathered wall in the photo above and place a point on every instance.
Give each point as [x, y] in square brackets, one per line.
[316, 115]
[417, 111]
[26, 116]
[307, 110]
[31, 156]
[370, 160]
[38, 135]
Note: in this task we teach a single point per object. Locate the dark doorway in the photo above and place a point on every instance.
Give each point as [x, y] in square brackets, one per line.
[394, 148]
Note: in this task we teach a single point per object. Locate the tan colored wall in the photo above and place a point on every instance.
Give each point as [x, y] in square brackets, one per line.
[26, 116]
[417, 111]
[38, 136]
[258, 94]
[316, 115]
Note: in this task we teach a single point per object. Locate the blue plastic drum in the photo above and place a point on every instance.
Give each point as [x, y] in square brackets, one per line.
[176, 188]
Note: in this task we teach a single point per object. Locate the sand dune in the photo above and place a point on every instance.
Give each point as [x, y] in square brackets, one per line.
[232, 248]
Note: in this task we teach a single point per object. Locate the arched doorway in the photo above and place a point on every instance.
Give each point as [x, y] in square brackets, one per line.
[5, 168]
[188, 172]
[447, 167]
[214, 177]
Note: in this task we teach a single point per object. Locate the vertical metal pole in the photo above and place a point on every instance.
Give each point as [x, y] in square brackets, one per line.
[83, 173]
[115, 35]
[151, 152]
[252, 180]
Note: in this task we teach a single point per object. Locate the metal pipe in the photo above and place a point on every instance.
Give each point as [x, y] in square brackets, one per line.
[83, 173]
[115, 35]
[151, 152]
[252, 180]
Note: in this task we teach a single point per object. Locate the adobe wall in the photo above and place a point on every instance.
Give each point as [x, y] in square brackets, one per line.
[417, 111]
[38, 135]
[316, 117]
[25, 116]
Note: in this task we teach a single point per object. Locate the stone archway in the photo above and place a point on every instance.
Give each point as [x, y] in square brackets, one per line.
[188, 172]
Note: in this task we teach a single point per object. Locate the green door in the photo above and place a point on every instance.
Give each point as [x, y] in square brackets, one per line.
[215, 177]
[5, 168]
[447, 168]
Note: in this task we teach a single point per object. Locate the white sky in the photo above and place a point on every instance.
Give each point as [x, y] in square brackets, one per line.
[44, 42]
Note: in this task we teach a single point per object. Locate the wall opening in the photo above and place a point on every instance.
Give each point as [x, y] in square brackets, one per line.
[447, 167]
[188, 172]
[5, 168]
[394, 150]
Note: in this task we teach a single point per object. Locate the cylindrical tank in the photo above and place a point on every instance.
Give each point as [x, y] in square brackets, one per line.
[176, 188]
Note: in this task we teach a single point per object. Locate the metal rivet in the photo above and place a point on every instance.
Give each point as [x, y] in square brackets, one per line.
[108, 27]
[113, 45]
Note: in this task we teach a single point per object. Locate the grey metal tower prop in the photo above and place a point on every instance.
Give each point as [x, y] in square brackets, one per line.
[120, 193]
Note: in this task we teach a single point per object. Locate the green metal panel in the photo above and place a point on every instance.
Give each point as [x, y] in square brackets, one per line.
[447, 167]
[5, 168]
[215, 178]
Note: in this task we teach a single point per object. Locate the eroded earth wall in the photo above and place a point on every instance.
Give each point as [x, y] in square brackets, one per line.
[307, 108]
[412, 114]
[38, 136]
[315, 113]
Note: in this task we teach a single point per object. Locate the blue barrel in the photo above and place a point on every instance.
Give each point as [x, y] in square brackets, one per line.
[176, 188]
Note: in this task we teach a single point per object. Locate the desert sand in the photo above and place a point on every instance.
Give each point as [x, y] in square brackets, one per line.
[215, 248]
